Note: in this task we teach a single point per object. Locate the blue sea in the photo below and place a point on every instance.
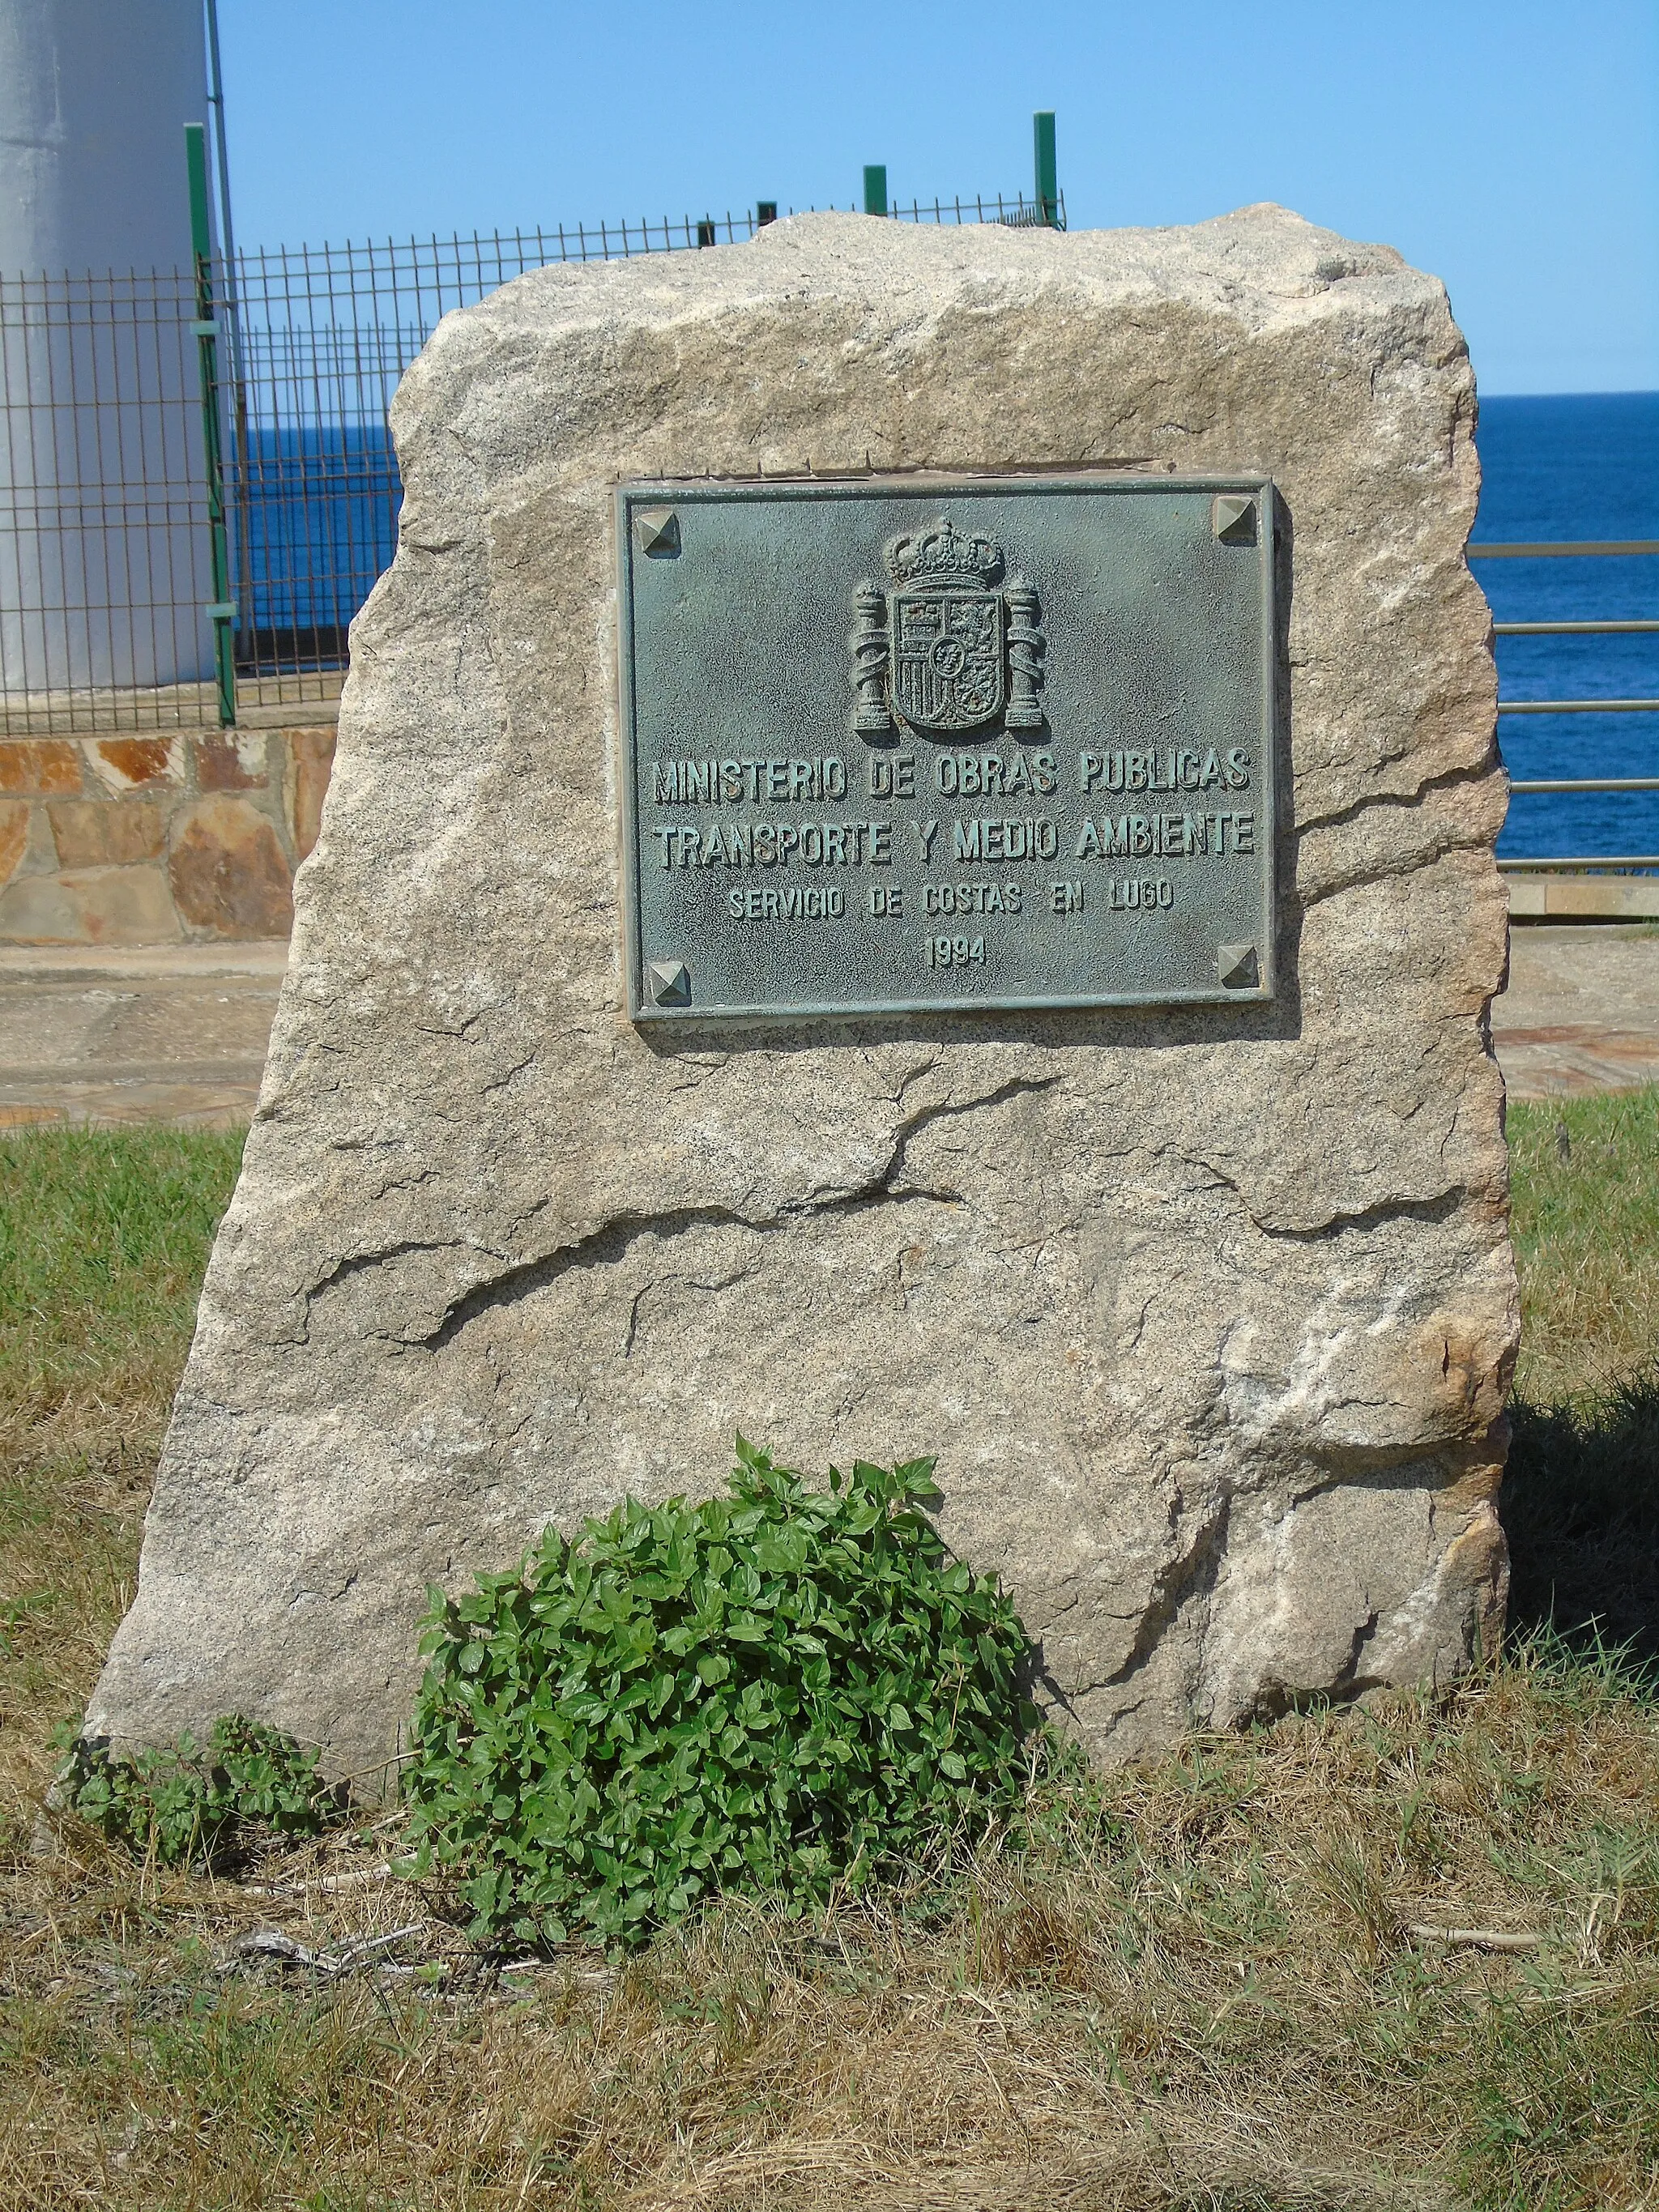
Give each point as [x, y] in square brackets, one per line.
[1575, 466]
[323, 523]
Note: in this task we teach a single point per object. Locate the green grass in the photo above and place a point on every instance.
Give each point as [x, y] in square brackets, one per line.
[1581, 1498]
[103, 1239]
[1586, 1228]
[1198, 1987]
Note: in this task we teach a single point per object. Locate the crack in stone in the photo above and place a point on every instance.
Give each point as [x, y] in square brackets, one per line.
[1449, 837]
[501, 1082]
[1432, 1211]
[1368, 801]
[639, 1297]
[354, 1263]
[610, 1243]
[1192, 1574]
[1394, 1470]
[1274, 1697]
[1408, 864]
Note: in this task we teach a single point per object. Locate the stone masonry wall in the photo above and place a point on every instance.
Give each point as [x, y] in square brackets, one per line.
[157, 837]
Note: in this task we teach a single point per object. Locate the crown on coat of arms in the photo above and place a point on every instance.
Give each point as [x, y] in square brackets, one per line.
[944, 556]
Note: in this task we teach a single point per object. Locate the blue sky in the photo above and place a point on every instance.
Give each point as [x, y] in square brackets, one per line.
[1512, 148]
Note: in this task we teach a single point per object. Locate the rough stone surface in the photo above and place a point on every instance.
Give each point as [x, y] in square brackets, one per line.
[1208, 1315]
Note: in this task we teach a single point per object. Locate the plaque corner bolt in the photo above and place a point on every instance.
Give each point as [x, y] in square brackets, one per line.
[1237, 966]
[656, 532]
[669, 983]
[1232, 517]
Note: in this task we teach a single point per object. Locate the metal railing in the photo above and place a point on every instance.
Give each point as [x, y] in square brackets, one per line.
[143, 585]
[1525, 786]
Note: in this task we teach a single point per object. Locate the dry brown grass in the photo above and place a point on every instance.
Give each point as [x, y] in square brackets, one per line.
[1193, 1986]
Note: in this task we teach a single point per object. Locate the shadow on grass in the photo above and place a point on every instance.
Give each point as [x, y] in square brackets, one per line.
[1581, 1508]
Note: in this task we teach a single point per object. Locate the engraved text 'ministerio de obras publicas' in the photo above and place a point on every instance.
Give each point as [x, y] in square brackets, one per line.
[952, 648]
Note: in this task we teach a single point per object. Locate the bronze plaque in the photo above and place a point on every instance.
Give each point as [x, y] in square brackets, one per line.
[897, 746]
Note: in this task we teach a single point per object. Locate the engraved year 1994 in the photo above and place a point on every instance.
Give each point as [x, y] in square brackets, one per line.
[954, 951]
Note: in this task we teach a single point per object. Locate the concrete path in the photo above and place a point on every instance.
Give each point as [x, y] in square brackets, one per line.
[159, 1033]
[1582, 1011]
[177, 1033]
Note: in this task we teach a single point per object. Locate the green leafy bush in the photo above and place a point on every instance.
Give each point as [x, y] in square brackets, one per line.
[783, 1689]
[252, 1784]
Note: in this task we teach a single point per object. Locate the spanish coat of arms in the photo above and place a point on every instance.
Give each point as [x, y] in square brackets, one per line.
[946, 652]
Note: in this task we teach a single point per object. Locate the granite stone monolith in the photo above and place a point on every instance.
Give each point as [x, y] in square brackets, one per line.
[1208, 1313]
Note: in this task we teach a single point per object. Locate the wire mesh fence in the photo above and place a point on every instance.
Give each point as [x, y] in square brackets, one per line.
[119, 393]
[104, 557]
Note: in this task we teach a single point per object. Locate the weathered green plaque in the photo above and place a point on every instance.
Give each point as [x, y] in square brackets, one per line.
[897, 745]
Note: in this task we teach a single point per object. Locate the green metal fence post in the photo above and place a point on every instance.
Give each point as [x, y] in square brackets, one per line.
[1047, 172]
[875, 188]
[223, 611]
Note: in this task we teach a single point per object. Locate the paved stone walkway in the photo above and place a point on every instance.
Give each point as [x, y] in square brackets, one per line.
[1582, 1011]
[177, 1033]
[159, 1033]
